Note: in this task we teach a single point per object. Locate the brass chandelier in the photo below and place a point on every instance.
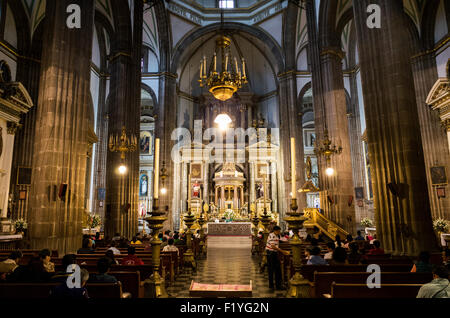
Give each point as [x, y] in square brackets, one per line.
[232, 75]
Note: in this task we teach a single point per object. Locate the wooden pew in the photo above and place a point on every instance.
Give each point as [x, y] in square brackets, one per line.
[308, 270]
[5, 253]
[42, 290]
[323, 280]
[131, 282]
[362, 291]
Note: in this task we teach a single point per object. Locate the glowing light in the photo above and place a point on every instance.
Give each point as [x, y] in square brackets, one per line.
[329, 171]
[163, 191]
[223, 120]
[122, 169]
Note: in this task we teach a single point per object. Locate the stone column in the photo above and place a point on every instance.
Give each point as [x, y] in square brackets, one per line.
[290, 127]
[122, 192]
[222, 196]
[435, 145]
[216, 197]
[340, 185]
[403, 217]
[242, 197]
[252, 183]
[165, 124]
[206, 182]
[235, 197]
[63, 118]
[28, 72]
[356, 145]
[273, 185]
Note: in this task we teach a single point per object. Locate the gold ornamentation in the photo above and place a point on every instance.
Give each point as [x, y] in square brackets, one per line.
[12, 127]
[122, 143]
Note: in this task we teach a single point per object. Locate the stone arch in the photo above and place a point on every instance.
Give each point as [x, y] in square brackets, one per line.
[149, 90]
[428, 24]
[22, 26]
[266, 40]
[328, 37]
[302, 93]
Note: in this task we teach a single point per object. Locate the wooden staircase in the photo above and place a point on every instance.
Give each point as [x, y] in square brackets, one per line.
[328, 227]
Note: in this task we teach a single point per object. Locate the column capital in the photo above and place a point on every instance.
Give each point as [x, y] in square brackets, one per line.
[12, 127]
[333, 52]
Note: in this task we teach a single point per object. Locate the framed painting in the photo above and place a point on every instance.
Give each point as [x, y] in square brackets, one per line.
[196, 171]
[438, 175]
[145, 143]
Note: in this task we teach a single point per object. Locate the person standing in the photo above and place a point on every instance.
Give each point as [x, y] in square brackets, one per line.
[273, 263]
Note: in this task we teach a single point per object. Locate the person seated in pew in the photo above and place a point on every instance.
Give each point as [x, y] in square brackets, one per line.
[87, 247]
[330, 249]
[423, 265]
[67, 260]
[63, 291]
[131, 258]
[339, 256]
[103, 266]
[45, 256]
[113, 248]
[10, 264]
[170, 247]
[354, 257]
[377, 250]
[135, 241]
[446, 258]
[116, 237]
[167, 234]
[439, 287]
[348, 240]
[164, 242]
[110, 256]
[315, 258]
[123, 243]
[34, 272]
[176, 238]
[337, 241]
[359, 237]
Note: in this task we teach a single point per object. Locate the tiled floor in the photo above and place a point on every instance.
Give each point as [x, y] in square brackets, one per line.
[225, 266]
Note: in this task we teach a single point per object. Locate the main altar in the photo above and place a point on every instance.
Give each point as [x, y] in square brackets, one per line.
[229, 234]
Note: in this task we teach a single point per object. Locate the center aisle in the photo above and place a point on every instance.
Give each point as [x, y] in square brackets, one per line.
[225, 266]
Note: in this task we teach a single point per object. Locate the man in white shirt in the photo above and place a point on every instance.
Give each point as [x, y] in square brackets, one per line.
[113, 248]
[170, 247]
[273, 263]
[330, 250]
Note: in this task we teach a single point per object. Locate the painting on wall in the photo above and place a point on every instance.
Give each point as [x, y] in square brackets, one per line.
[143, 186]
[196, 171]
[146, 143]
[262, 170]
[438, 175]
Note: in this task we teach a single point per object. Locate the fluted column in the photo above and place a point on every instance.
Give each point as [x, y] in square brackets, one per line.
[290, 127]
[64, 115]
[273, 185]
[435, 145]
[403, 217]
[252, 183]
[206, 182]
[124, 108]
[340, 185]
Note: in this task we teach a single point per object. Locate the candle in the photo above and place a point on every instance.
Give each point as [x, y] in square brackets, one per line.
[226, 62]
[189, 192]
[204, 64]
[156, 181]
[235, 62]
[243, 66]
[293, 172]
[215, 62]
[201, 69]
[264, 181]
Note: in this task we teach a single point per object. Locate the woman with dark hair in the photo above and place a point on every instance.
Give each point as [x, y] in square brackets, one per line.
[423, 265]
[86, 247]
[110, 255]
[337, 241]
[348, 240]
[45, 256]
[339, 256]
[354, 257]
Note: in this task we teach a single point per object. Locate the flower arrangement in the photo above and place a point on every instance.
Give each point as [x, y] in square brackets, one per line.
[229, 215]
[440, 225]
[94, 220]
[20, 225]
[366, 222]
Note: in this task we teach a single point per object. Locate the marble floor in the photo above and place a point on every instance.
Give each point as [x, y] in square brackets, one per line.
[225, 266]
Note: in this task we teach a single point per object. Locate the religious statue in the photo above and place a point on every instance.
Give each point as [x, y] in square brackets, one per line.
[260, 190]
[144, 185]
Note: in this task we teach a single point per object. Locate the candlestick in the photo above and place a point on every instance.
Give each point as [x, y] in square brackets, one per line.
[293, 172]
[156, 171]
